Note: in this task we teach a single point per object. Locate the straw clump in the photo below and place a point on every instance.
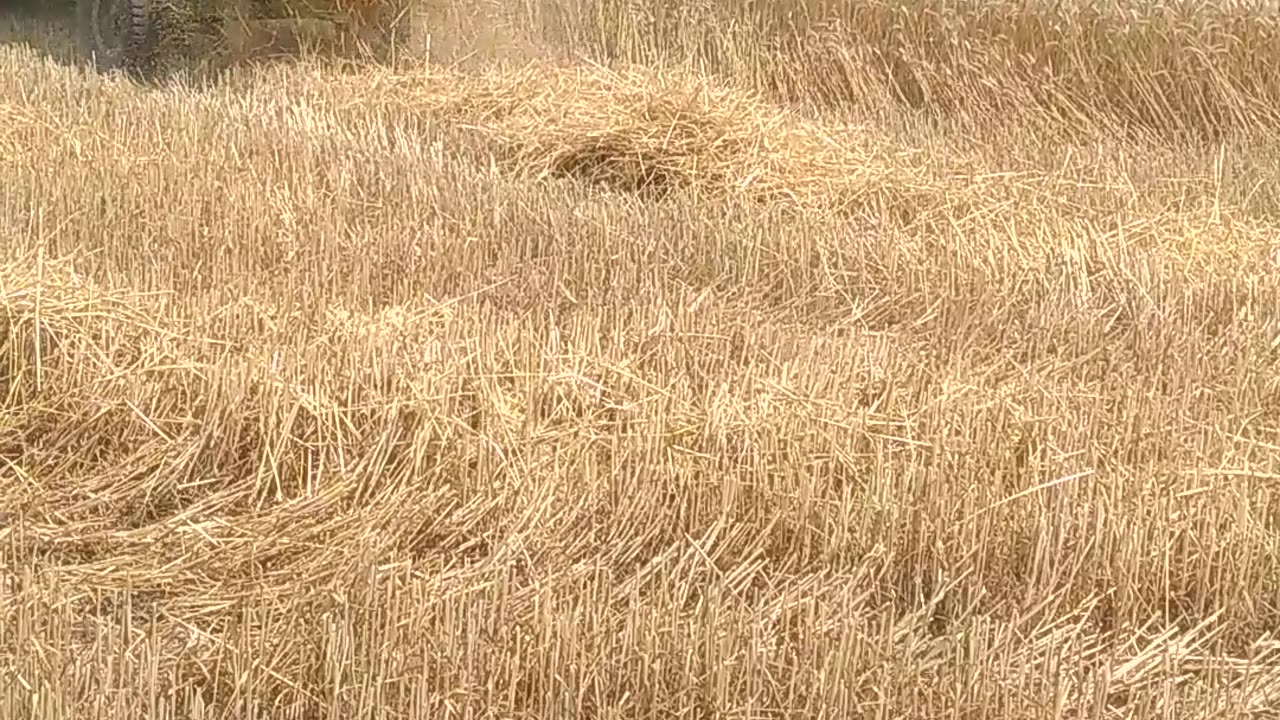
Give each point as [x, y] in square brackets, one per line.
[652, 133]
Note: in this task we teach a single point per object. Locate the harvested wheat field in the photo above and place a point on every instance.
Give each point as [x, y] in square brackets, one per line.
[650, 360]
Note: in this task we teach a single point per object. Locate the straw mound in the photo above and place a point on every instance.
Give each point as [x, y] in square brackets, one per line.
[134, 447]
[200, 475]
[649, 132]
[74, 366]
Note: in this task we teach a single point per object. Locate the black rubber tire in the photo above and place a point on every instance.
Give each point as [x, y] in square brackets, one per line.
[117, 34]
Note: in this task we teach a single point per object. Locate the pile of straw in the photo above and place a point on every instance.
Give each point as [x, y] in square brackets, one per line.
[655, 133]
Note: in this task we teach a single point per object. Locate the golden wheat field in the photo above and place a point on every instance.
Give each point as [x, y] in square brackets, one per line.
[641, 359]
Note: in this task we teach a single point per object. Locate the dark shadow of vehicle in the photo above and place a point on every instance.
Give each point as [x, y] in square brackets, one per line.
[47, 31]
[52, 31]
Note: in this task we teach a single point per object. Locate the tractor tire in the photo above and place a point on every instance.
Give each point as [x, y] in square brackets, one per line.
[117, 34]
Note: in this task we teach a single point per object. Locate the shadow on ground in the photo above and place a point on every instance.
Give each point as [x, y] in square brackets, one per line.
[456, 37]
[51, 35]
[48, 32]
